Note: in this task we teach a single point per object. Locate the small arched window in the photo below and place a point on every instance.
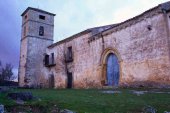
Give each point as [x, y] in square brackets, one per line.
[41, 31]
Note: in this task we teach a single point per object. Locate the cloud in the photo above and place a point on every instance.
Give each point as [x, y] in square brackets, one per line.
[9, 35]
[123, 14]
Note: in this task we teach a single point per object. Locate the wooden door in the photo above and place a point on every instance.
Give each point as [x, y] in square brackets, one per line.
[112, 70]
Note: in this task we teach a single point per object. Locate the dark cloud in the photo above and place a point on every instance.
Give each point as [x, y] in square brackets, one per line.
[10, 22]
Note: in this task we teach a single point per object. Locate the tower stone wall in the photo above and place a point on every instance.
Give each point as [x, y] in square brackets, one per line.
[37, 35]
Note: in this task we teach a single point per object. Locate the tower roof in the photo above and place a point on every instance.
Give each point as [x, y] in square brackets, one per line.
[38, 10]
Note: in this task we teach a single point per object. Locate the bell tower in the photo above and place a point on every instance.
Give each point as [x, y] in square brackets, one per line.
[37, 35]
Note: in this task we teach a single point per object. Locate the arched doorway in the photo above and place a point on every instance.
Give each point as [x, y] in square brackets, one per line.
[112, 70]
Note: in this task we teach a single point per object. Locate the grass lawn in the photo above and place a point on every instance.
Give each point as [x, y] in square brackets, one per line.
[93, 101]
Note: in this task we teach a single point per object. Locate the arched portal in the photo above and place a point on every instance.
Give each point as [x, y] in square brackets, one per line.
[110, 61]
[112, 70]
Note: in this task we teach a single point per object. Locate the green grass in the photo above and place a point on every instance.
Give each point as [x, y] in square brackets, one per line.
[93, 101]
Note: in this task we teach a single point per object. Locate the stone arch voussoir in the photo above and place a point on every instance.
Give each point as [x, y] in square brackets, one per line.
[104, 55]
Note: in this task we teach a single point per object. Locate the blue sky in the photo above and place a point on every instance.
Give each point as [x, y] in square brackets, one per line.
[72, 16]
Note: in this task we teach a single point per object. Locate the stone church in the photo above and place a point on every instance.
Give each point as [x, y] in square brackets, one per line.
[135, 52]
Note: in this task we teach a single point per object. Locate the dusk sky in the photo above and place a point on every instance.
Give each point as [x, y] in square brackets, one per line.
[72, 16]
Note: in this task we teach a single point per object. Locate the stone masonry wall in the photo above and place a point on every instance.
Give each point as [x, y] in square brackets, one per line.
[143, 52]
[22, 64]
[33, 47]
[35, 62]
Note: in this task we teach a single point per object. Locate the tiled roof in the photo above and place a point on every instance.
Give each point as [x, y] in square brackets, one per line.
[94, 31]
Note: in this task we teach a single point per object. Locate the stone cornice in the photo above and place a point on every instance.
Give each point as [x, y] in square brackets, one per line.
[36, 37]
[37, 22]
